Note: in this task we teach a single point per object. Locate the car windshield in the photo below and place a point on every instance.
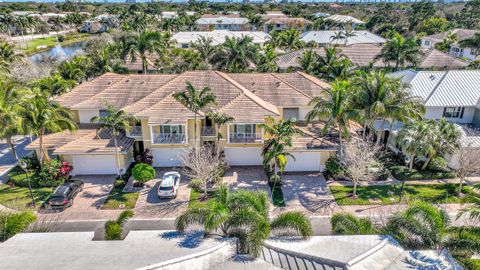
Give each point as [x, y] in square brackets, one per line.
[60, 191]
[166, 188]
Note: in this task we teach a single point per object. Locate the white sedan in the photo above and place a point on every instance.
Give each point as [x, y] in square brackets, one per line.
[169, 185]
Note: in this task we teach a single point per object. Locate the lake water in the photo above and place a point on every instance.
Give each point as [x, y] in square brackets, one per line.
[62, 52]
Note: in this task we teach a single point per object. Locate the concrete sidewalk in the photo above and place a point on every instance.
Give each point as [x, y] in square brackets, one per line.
[7, 161]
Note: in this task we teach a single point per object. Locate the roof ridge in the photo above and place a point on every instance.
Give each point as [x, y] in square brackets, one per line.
[107, 88]
[287, 83]
[436, 86]
[313, 79]
[265, 104]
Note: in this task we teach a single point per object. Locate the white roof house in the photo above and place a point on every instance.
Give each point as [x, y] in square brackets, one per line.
[326, 38]
[174, 14]
[222, 20]
[184, 39]
[344, 19]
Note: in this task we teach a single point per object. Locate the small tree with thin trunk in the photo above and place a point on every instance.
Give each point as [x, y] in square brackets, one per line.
[468, 159]
[219, 119]
[202, 163]
[360, 161]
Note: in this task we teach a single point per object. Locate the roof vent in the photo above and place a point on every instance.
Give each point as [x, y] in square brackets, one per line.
[432, 78]
[278, 84]
[110, 82]
[142, 82]
[128, 80]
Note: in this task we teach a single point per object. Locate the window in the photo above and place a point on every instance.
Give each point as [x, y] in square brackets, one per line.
[244, 128]
[289, 113]
[184, 45]
[453, 112]
[426, 42]
[103, 113]
[171, 129]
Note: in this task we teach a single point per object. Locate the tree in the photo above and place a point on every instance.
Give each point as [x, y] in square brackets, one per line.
[195, 101]
[201, 163]
[308, 61]
[115, 122]
[74, 69]
[412, 139]
[290, 40]
[445, 140]
[243, 214]
[434, 25]
[468, 162]
[335, 109]
[143, 172]
[114, 228]
[473, 210]
[425, 226]
[399, 50]
[236, 54]
[8, 56]
[267, 59]
[343, 35]
[469, 16]
[361, 162]
[204, 47]
[55, 85]
[10, 106]
[334, 66]
[447, 42]
[348, 224]
[472, 43]
[41, 114]
[219, 119]
[420, 12]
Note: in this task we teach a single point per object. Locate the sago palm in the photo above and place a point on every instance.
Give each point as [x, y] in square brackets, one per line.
[348, 224]
[243, 214]
[195, 100]
[115, 122]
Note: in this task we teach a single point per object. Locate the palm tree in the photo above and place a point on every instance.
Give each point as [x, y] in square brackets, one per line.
[290, 40]
[412, 139]
[236, 54]
[10, 96]
[267, 59]
[334, 66]
[335, 109]
[444, 139]
[348, 224]
[73, 69]
[55, 85]
[424, 226]
[308, 61]
[204, 47]
[243, 214]
[8, 56]
[195, 101]
[115, 122]
[41, 114]
[472, 43]
[219, 119]
[473, 210]
[400, 50]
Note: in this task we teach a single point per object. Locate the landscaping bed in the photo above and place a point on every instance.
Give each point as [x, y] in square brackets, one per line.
[387, 194]
[117, 199]
[196, 198]
[404, 173]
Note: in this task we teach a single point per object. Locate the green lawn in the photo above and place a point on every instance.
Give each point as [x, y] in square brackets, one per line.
[50, 42]
[117, 199]
[196, 199]
[19, 197]
[385, 194]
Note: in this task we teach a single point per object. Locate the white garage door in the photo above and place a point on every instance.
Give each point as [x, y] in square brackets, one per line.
[94, 164]
[243, 156]
[304, 162]
[167, 157]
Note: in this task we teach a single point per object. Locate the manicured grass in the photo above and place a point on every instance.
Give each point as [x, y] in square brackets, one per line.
[277, 196]
[469, 264]
[196, 199]
[385, 194]
[50, 42]
[117, 199]
[404, 173]
[19, 197]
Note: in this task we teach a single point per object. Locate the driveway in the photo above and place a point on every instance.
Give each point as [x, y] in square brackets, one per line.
[149, 206]
[246, 177]
[307, 193]
[88, 202]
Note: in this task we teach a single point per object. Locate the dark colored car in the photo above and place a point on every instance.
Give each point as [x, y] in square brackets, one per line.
[64, 194]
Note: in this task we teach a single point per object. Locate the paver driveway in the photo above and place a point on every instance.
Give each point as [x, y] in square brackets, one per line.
[87, 203]
[246, 177]
[150, 206]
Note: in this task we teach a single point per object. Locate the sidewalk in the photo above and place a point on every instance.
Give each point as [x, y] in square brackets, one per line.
[392, 181]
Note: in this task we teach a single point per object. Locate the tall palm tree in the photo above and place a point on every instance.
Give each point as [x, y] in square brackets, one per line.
[219, 119]
[204, 47]
[290, 40]
[473, 43]
[195, 101]
[41, 114]
[335, 109]
[425, 226]
[243, 214]
[334, 66]
[236, 54]
[400, 51]
[115, 122]
[10, 105]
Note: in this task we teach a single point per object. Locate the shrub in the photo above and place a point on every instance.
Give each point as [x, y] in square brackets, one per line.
[33, 164]
[333, 167]
[143, 172]
[54, 173]
[348, 224]
[438, 164]
[13, 223]
[404, 173]
[196, 184]
[145, 157]
[61, 38]
[113, 230]
[19, 178]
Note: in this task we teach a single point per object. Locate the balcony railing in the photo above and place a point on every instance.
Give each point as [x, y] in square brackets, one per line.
[168, 138]
[208, 131]
[245, 137]
[136, 131]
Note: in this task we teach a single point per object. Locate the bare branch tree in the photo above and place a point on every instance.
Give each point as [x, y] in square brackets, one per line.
[360, 161]
[201, 163]
[468, 162]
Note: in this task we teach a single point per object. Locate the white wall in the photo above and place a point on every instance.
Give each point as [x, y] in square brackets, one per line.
[303, 111]
[86, 115]
[459, 52]
[425, 43]
[437, 113]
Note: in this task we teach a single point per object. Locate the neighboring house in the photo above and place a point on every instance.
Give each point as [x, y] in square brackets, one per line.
[184, 39]
[166, 127]
[99, 24]
[173, 14]
[324, 38]
[231, 22]
[453, 95]
[364, 55]
[455, 50]
[321, 15]
[344, 20]
[279, 23]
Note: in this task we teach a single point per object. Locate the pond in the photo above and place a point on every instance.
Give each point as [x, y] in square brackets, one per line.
[62, 52]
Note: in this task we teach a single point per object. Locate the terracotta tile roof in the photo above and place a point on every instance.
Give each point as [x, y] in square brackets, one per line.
[58, 139]
[168, 110]
[89, 89]
[96, 142]
[364, 54]
[311, 138]
[136, 65]
[245, 110]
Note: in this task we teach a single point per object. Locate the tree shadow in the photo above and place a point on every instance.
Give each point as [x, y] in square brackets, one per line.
[191, 239]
